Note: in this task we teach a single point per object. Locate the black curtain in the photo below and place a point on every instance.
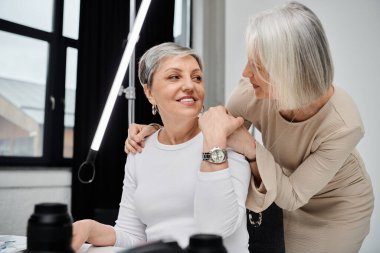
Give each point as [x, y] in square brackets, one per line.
[104, 27]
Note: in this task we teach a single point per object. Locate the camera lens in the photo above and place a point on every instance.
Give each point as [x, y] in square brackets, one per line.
[49, 229]
[206, 243]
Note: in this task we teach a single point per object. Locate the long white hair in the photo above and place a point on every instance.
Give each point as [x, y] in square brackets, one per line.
[291, 45]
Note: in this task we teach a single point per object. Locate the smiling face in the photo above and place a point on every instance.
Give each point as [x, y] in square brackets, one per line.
[259, 79]
[177, 88]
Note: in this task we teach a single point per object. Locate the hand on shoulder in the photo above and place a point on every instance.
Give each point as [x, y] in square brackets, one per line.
[136, 136]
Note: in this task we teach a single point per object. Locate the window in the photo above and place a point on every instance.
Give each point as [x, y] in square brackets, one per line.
[22, 89]
[32, 13]
[38, 59]
[181, 27]
[70, 88]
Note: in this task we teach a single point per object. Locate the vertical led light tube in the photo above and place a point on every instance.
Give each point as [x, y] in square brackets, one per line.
[132, 40]
[133, 37]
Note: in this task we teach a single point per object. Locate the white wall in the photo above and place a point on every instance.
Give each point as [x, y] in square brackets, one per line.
[209, 18]
[21, 189]
[353, 30]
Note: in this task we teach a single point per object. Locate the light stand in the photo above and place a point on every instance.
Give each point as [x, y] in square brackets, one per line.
[130, 91]
[116, 88]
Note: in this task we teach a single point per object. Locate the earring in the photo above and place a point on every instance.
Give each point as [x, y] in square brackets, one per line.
[154, 109]
[202, 111]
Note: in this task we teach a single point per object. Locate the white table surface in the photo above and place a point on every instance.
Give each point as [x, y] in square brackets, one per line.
[88, 248]
[19, 244]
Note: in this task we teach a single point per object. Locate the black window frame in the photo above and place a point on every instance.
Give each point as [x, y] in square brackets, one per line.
[53, 137]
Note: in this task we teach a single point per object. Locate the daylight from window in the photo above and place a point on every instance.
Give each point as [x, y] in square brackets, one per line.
[23, 76]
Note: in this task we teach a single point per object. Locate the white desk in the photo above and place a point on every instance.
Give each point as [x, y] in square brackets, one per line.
[15, 243]
[88, 248]
[18, 243]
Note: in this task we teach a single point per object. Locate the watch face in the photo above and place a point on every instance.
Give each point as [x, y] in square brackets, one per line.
[217, 156]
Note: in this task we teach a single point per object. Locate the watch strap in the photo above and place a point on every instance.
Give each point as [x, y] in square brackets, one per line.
[207, 156]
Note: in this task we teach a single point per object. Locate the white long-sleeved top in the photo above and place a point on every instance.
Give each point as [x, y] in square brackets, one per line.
[165, 196]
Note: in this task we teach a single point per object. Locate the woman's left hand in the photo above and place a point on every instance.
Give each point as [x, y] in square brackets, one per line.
[216, 124]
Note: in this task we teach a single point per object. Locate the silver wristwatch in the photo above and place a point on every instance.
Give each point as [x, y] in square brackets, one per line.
[215, 155]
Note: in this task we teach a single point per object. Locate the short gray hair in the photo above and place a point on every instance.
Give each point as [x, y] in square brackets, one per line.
[291, 44]
[152, 58]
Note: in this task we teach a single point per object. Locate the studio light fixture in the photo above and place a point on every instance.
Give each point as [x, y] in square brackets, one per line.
[133, 37]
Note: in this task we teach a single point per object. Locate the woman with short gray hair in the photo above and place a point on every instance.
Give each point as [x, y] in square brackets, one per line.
[150, 61]
[186, 182]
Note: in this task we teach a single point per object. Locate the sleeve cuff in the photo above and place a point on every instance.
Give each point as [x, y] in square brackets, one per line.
[257, 201]
[118, 243]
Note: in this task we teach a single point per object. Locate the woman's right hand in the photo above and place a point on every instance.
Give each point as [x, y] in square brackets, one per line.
[92, 232]
[81, 232]
[217, 124]
[136, 135]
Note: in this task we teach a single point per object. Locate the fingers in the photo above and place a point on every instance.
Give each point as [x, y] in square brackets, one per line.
[144, 132]
[234, 124]
[239, 121]
[133, 130]
[76, 244]
[131, 146]
[218, 122]
[136, 136]
[77, 240]
[219, 109]
[133, 142]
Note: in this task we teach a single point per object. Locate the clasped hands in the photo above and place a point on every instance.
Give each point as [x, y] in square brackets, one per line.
[216, 122]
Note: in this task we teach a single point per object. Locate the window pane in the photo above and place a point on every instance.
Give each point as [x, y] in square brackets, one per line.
[23, 73]
[71, 18]
[33, 13]
[70, 89]
[177, 26]
[181, 26]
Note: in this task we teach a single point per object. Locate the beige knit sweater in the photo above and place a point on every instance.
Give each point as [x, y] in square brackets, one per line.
[312, 170]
